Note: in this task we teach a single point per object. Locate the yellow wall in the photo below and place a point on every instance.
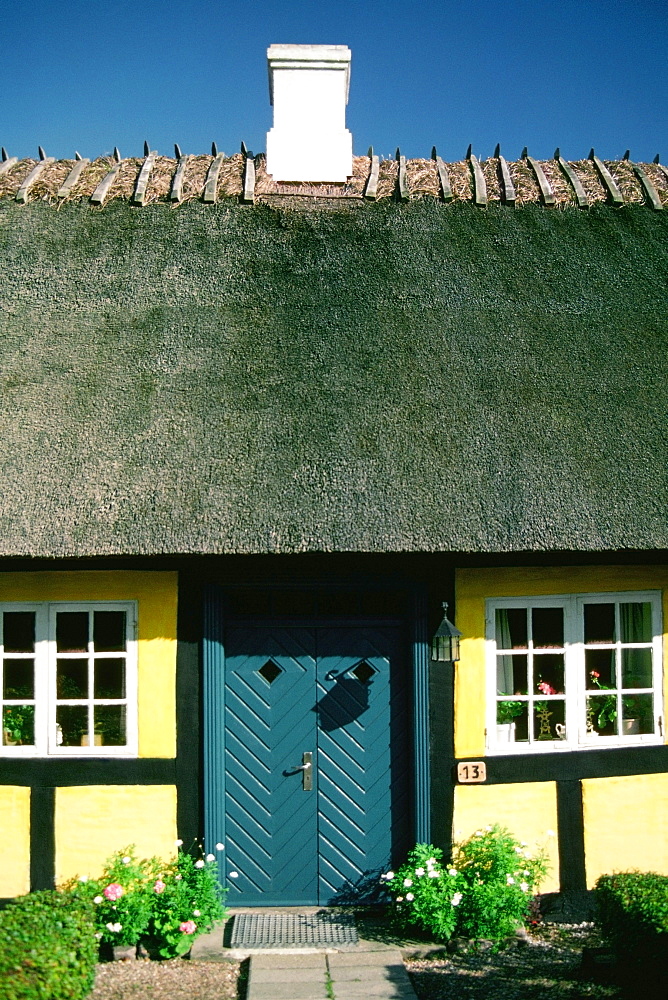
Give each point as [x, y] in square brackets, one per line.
[473, 586]
[94, 821]
[625, 822]
[528, 810]
[156, 594]
[14, 840]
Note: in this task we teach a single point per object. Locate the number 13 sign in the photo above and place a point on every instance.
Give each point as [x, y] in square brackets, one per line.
[471, 773]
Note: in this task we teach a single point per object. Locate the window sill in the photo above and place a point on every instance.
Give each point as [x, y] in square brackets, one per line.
[561, 746]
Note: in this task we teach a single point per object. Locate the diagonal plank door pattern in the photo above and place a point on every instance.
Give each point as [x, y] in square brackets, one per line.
[341, 694]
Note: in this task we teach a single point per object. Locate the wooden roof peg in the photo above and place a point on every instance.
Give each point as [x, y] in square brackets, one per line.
[615, 196]
[573, 179]
[177, 151]
[650, 192]
[508, 188]
[211, 186]
[248, 193]
[371, 189]
[139, 194]
[627, 154]
[214, 149]
[546, 192]
[75, 173]
[402, 181]
[176, 191]
[24, 190]
[442, 170]
[479, 182]
[117, 154]
[7, 161]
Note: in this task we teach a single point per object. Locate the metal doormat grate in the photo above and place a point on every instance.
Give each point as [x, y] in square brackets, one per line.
[294, 930]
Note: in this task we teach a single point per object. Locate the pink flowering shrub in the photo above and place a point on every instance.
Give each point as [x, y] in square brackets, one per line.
[113, 891]
[152, 901]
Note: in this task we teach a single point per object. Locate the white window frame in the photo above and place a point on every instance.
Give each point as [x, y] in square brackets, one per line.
[577, 737]
[46, 744]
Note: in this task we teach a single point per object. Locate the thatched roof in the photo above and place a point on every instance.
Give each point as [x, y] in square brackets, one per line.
[399, 377]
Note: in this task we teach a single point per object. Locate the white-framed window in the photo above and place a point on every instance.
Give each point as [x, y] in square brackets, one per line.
[68, 678]
[574, 671]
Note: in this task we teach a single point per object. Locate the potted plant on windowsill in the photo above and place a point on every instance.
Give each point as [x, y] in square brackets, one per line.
[19, 725]
[506, 711]
[603, 711]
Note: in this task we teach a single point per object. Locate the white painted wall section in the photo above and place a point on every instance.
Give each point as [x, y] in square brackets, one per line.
[308, 87]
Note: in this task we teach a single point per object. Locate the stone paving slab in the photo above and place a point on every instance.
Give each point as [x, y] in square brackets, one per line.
[344, 959]
[271, 960]
[286, 991]
[377, 975]
[367, 973]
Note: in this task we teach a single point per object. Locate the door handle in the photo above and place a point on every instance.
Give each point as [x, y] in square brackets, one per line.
[307, 770]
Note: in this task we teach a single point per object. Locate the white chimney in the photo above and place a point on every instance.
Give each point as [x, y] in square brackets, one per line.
[308, 87]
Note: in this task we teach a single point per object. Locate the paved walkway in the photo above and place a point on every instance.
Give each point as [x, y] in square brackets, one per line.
[369, 969]
[349, 975]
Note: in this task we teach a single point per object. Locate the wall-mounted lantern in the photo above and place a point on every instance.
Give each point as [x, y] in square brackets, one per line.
[445, 644]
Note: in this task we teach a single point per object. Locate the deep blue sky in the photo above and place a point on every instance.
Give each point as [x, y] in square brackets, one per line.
[89, 75]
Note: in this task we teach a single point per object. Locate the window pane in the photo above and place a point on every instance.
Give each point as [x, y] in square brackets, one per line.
[599, 623]
[635, 622]
[547, 625]
[109, 631]
[72, 631]
[110, 725]
[511, 628]
[511, 722]
[19, 678]
[511, 674]
[636, 668]
[637, 714]
[549, 674]
[72, 722]
[600, 668]
[602, 714]
[547, 715]
[109, 679]
[18, 725]
[72, 679]
[19, 631]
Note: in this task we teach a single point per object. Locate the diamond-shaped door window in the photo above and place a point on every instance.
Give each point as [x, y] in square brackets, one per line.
[270, 671]
[363, 672]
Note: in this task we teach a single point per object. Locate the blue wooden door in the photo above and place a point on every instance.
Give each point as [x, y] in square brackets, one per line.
[340, 694]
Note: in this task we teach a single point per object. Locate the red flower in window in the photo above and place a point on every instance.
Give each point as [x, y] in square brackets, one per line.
[545, 688]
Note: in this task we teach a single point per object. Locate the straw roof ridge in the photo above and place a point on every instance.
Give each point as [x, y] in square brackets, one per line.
[421, 179]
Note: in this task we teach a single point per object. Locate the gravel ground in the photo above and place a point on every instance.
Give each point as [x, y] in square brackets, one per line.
[546, 967]
[174, 980]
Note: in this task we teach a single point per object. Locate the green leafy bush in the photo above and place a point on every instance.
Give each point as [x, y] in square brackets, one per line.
[164, 905]
[485, 892]
[48, 948]
[189, 905]
[633, 914]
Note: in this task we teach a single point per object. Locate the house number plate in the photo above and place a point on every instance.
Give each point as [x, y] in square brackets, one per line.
[471, 773]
